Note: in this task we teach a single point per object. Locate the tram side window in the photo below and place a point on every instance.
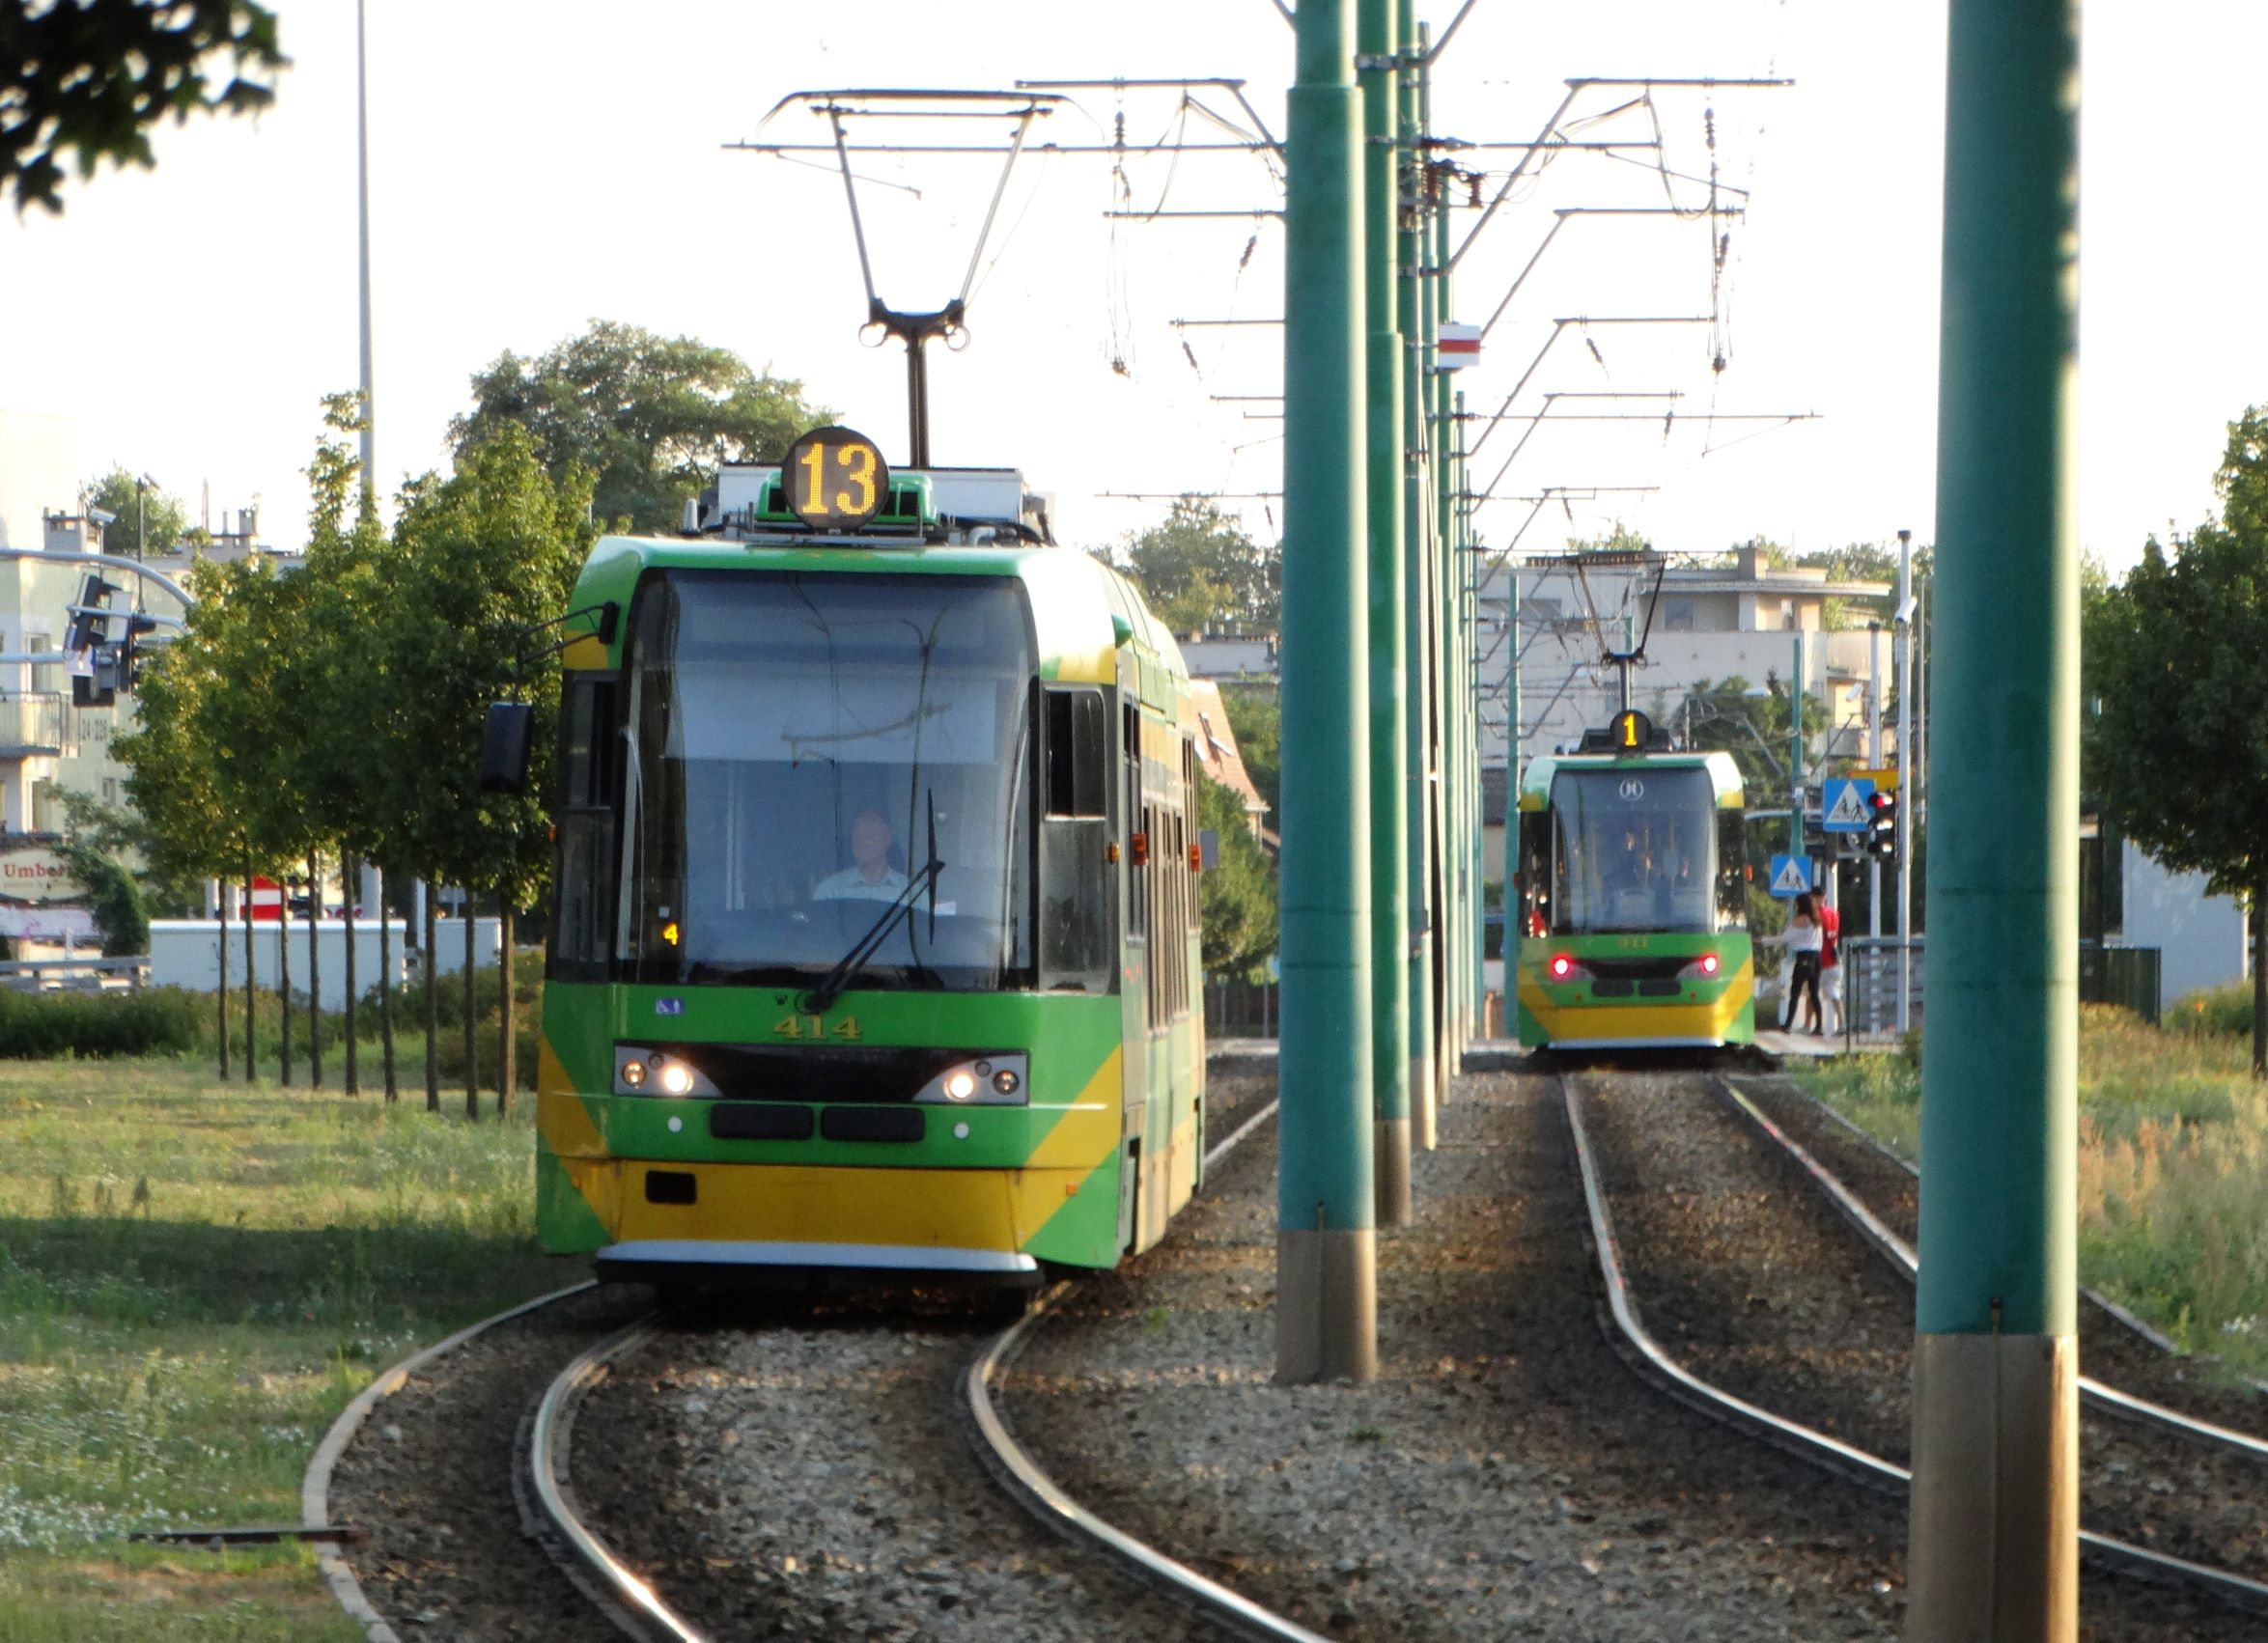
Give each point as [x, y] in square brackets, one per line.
[1732, 876]
[1075, 835]
[583, 907]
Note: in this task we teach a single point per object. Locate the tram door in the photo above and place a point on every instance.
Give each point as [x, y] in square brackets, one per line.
[1133, 976]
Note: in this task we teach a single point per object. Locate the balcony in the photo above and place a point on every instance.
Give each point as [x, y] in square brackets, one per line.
[32, 723]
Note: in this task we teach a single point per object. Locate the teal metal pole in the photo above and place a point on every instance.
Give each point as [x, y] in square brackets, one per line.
[1325, 1292]
[1994, 1534]
[1417, 703]
[1455, 877]
[1514, 927]
[1794, 805]
[1389, 842]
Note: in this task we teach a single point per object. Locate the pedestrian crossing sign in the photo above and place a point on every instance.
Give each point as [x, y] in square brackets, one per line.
[1791, 875]
[1846, 805]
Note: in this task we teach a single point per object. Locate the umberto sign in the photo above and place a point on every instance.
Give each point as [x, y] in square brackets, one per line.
[35, 874]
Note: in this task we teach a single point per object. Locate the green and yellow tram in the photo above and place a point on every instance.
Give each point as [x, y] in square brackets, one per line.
[1632, 896]
[875, 932]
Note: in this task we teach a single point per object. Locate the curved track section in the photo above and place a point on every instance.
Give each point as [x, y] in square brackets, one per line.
[1647, 1355]
[644, 1614]
[2110, 1400]
[648, 1618]
[315, 1489]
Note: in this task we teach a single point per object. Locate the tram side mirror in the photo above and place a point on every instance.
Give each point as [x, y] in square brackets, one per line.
[507, 738]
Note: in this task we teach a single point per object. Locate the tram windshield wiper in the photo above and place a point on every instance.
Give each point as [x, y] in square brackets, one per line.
[821, 998]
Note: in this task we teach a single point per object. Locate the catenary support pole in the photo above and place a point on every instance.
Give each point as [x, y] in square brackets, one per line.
[1390, 976]
[1874, 761]
[1794, 805]
[1326, 1295]
[1903, 846]
[1993, 1553]
[1515, 921]
[1417, 703]
[362, 202]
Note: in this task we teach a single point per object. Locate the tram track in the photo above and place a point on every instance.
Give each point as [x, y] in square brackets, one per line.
[1746, 1296]
[894, 1550]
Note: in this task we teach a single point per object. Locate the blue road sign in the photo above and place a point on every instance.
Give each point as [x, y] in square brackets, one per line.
[1846, 805]
[1791, 875]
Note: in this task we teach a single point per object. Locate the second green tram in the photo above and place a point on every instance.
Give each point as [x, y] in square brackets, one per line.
[1633, 902]
[875, 928]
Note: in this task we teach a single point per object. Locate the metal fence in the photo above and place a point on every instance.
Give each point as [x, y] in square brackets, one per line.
[1239, 1010]
[75, 975]
[2126, 976]
[1872, 970]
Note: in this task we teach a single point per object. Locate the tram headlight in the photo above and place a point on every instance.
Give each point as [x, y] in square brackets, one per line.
[987, 1080]
[641, 1070]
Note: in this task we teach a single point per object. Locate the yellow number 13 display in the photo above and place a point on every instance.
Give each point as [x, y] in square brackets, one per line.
[836, 479]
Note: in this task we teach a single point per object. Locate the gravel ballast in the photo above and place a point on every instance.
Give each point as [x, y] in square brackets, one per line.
[1504, 1477]
[1745, 1274]
[430, 1475]
[2109, 1349]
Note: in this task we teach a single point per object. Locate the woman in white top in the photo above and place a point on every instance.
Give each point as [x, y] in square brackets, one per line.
[1802, 938]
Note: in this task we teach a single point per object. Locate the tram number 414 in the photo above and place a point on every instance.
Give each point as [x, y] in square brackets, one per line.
[814, 1027]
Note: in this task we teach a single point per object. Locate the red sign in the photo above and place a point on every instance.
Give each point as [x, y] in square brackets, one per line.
[268, 901]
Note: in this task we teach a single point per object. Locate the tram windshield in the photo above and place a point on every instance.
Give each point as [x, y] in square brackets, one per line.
[1633, 848]
[795, 740]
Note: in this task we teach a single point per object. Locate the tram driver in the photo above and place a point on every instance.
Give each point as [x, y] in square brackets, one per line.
[870, 877]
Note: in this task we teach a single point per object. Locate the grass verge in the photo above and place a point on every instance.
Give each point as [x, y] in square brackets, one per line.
[2172, 1172]
[194, 1279]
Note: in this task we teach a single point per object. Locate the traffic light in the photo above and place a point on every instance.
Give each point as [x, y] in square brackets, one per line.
[89, 617]
[1881, 825]
[133, 653]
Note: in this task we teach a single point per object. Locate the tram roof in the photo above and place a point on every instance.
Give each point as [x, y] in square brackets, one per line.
[1082, 609]
[1725, 776]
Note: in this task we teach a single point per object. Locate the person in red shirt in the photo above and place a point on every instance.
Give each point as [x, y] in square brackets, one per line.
[1830, 959]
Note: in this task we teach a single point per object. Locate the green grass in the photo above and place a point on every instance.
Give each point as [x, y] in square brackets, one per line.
[2172, 1172]
[193, 1280]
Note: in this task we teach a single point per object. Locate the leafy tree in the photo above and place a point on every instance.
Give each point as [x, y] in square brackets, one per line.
[112, 896]
[2176, 756]
[648, 416]
[1753, 729]
[1237, 929]
[91, 76]
[1202, 573]
[115, 492]
[1255, 717]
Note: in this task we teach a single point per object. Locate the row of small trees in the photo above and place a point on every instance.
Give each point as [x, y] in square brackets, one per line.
[330, 711]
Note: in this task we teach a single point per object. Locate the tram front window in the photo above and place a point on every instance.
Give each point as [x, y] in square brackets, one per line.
[796, 740]
[1633, 850]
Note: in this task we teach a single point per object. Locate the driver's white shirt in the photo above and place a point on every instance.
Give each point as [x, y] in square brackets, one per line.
[852, 885]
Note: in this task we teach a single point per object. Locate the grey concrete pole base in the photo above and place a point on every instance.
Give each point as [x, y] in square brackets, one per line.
[1389, 1165]
[1326, 1305]
[1993, 1545]
[1423, 1108]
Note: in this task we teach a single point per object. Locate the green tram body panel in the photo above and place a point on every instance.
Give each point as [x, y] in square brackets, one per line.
[1109, 1139]
[1631, 986]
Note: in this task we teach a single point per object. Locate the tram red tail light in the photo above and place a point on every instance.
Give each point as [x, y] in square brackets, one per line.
[1702, 968]
[1562, 966]
[1708, 964]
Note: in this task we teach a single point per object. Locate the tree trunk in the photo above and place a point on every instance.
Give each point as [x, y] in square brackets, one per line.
[251, 987]
[508, 1054]
[472, 1058]
[433, 1000]
[2260, 976]
[283, 973]
[386, 986]
[314, 970]
[350, 884]
[220, 999]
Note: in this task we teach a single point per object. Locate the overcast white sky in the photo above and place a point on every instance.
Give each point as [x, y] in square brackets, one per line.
[536, 167]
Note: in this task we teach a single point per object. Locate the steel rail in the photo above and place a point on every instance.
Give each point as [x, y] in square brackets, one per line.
[1901, 1255]
[1646, 1355]
[314, 1490]
[547, 1437]
[1024, 1478]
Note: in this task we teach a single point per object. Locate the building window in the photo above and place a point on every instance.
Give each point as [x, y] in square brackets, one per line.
[1787, 614]
[109, 789]
[1677, 616]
